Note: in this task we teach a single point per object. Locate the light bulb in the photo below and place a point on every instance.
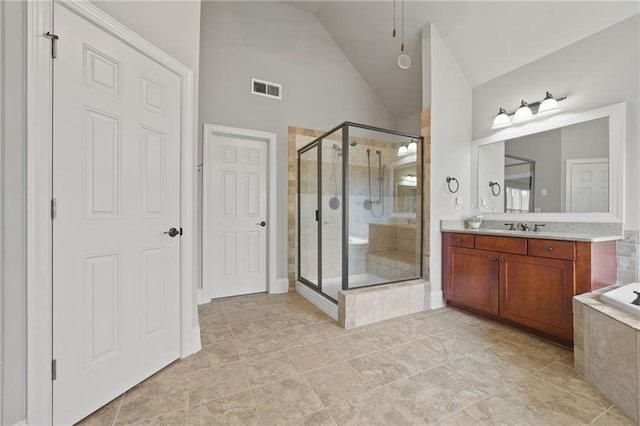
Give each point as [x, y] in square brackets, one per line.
[413, 146]
[523, 113]
[501, 120]
[402, 150]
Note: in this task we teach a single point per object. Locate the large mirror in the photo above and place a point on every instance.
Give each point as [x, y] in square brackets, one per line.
[564, 166]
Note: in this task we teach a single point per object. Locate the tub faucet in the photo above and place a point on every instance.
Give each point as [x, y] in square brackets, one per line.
[524, 227]
[637, 301]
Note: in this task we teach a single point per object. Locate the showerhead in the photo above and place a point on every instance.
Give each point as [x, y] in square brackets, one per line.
[353, 143]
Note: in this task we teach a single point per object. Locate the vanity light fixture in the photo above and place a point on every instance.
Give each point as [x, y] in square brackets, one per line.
[403, 150]
[523, 113]
[413, 147]
[526, 111]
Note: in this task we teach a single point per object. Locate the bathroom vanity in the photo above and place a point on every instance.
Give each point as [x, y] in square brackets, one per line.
[525, 279]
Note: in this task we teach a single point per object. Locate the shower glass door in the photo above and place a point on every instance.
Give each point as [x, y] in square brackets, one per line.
[331, 214]
[309, 214]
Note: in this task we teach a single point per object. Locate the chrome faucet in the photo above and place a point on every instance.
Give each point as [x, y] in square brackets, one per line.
[537, 226]
[524, 227]
[511, 227]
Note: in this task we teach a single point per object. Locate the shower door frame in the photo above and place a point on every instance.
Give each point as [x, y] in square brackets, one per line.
[317, 144]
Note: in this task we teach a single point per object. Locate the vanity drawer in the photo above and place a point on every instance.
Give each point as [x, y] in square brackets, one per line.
[552, 248]
[513, 245]
[459, 240]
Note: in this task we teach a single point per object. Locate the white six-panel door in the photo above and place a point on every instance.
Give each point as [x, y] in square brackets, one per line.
[116, 181]
[235, 215]
[588, 185]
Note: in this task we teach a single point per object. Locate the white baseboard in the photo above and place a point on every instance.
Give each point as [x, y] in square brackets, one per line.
[22, 423]
[281, 285]
[437, 299]
[321, 302]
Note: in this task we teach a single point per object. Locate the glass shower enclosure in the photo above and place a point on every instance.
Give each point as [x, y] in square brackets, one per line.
[359, 206]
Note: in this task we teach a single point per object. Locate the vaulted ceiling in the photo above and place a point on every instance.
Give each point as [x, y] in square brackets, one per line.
[487, 38]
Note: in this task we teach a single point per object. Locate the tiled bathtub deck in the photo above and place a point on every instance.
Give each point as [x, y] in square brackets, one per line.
[278, 360]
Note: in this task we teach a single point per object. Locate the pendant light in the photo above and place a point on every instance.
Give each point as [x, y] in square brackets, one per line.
[548, 104]
[501, 120]
[394, 19]
[403, 150]
[523, 113]
[404, 61]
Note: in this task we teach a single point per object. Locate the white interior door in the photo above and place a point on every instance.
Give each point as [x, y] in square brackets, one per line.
[116, 181]
[235, 215]
[587, 185]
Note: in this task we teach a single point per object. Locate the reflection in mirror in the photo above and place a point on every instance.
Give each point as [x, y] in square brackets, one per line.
[404, 186]
[519, 178]
[560, 170]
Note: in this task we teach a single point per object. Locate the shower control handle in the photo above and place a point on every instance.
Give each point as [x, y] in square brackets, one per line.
[263, 223]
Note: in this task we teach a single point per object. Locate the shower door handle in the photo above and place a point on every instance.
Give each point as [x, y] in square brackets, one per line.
[263, 223]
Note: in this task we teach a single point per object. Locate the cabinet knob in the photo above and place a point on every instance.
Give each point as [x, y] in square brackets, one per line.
[501, 260]
[494, 258]
[549, 248]
[458, 240]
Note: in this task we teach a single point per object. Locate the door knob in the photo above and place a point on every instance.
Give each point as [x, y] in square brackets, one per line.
[263, 223]
[172, 232]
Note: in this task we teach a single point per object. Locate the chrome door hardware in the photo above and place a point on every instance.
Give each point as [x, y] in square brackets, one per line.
[263, 223]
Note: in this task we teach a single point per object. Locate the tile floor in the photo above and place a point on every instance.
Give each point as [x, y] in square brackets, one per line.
[270, 360]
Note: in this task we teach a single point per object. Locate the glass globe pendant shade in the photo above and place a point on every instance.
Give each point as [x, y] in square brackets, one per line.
[404, 61]
[413, 147]
[502, 120]
[548, 104]
[523, 113]
[403, 150]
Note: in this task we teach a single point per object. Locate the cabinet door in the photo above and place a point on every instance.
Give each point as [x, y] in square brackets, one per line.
[537, 292]
[472, 279]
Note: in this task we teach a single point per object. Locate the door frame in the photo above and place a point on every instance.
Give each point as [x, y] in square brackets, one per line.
[39, 187]
[569, 163]
[209, 130]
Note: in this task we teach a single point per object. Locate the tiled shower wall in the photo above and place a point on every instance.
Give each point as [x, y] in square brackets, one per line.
[628, 265]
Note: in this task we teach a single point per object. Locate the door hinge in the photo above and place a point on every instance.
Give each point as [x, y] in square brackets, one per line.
[54, 204]
[53, 369]
[54, 43]
[180, 231]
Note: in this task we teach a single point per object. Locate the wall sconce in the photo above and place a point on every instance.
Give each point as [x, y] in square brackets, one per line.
[526, 111]
[403, 150]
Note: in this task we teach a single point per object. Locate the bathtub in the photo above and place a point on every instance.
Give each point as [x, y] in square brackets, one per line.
[622, 297]
[356, 241]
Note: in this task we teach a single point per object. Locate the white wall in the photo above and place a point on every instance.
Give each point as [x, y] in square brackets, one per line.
[173, 27]
[410, 124]
[600, 70]
[450, 146]
[13, 221]
[279, 43]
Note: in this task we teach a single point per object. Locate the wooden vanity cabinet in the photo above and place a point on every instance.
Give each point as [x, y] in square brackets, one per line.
[524, 281]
